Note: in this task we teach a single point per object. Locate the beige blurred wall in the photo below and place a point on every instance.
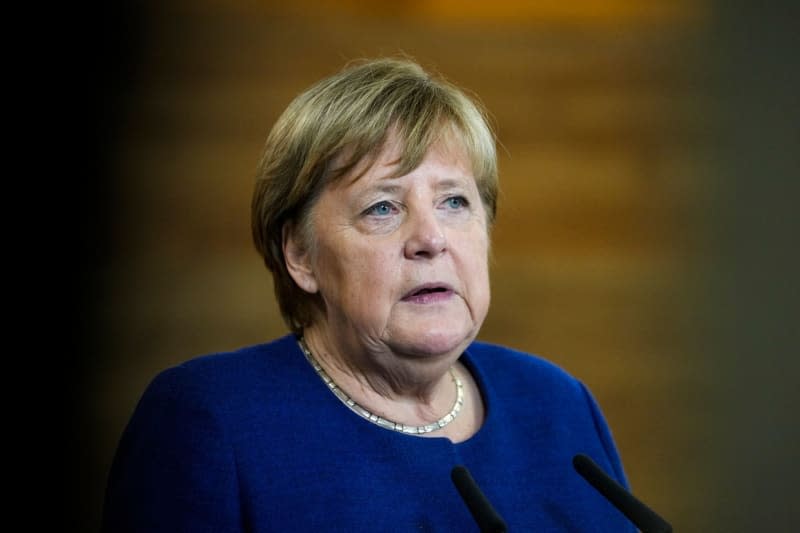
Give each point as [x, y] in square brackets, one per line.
[600, 253]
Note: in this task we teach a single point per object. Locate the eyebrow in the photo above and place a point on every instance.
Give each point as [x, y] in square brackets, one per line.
[388, 185]
[452, 183]
[385, 187]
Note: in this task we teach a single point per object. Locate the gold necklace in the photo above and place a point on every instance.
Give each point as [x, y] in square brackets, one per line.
[380, 421]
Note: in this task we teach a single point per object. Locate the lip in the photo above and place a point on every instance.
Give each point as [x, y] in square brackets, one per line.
[429, 293]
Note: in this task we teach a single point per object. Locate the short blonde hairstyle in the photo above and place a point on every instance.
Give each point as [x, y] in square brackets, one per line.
[346, 118]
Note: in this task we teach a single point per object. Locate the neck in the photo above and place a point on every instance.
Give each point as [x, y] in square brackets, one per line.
[406, 390]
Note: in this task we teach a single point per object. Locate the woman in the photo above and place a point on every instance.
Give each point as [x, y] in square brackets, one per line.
[372, 210]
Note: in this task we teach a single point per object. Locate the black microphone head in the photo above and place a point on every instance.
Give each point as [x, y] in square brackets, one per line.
[487, 518]
[636, 511]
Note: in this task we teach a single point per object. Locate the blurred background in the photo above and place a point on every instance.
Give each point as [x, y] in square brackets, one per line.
[646, 238]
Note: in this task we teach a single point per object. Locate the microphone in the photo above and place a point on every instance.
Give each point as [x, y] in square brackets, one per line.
[482, 511]
[637, 512]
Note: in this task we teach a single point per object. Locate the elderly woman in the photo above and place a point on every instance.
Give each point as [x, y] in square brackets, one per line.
[372, 210]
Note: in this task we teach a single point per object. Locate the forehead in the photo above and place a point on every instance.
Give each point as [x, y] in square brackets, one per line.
[392, 161]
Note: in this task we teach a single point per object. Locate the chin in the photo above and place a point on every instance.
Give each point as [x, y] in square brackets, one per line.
[423, 334]
[436, 342]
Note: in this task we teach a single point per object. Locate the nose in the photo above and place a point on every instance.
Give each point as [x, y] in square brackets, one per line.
[425, 238]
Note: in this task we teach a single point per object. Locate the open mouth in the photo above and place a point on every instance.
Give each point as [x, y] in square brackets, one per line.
[428, 293]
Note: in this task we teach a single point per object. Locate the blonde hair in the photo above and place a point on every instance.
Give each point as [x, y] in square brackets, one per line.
[347, 118]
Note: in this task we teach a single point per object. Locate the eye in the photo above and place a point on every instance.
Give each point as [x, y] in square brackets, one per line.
[456, 202]
[381, 209]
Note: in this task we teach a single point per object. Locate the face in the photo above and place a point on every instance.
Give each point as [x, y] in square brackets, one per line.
[401, 262]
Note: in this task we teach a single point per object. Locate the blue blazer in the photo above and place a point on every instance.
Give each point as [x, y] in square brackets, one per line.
[252, 440]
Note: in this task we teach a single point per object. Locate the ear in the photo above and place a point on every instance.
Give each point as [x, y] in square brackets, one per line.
[297, 259]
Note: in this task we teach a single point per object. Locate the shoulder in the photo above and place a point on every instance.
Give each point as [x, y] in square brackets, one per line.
[517, 369]
[530, 390]
[521, 381]
[243, 363]
[227, 377]
[185, 439]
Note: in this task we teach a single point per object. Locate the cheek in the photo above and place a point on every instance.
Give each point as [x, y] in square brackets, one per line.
[481, 282]
[363, 274]
[477, 243]
[479, 267]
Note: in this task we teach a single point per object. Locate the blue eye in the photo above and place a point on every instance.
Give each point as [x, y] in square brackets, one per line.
[456, 202]
[380, 209]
